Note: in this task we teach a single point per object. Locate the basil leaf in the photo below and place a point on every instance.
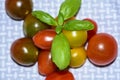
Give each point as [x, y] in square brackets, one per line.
[60, 51]
[60, 19]
[75, 25]
[69, 8]
[45, 17]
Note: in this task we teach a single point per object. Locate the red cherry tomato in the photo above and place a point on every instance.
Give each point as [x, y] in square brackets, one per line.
[91, 33]
[43, 39]
[60, 75]
[102, 49]
[45, 64]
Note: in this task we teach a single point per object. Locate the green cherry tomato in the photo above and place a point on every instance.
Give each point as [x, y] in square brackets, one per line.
[78, 57]
[76, 38]
[24, 52]
[102, 49]
[18, 9]
[32, 25]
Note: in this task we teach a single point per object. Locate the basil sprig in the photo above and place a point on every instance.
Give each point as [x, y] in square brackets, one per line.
[78, 25]
[69, 8]
[60, 51]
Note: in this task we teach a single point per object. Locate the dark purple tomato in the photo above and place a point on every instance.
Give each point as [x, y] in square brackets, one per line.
[32, 25]
[18, 9]
[24, 52]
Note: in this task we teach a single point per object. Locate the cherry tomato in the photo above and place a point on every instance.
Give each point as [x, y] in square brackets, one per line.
[32, 25]
[43, 39]
[45, 64]
[60, 75]
[18, 9]
[78, 57]
[91, 33]
[102, 49]
[24, 52]
[76, 38]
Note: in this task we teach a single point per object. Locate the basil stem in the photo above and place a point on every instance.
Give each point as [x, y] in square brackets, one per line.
[58, 29]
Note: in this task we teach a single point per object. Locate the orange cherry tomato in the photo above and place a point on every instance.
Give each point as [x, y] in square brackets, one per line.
[78, 57]
[76, 38]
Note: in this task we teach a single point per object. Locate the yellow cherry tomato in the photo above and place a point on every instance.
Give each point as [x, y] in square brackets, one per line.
[76, 38]
[78, 57]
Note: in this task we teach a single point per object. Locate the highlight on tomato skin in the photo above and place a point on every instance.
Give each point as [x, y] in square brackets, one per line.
[102, 49]
[60, 75]
[91, 33]
[45, 64]
[43, 39]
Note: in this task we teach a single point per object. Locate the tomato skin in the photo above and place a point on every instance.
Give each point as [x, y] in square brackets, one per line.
[78, 57]
[43, 39]
[24, 52]
[17, 9]
[76, 38]
[45, 64]
[91, 33]
[102, 49]
[60, 75]
[32, 25]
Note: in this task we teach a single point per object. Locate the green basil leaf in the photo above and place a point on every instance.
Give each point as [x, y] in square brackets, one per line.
[60, 51]
[60, 19]
[75, 25]
[58, 29]
[69, 8]
[45, 17]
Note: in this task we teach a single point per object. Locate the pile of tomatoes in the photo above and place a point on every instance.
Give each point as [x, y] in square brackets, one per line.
[101, 48]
